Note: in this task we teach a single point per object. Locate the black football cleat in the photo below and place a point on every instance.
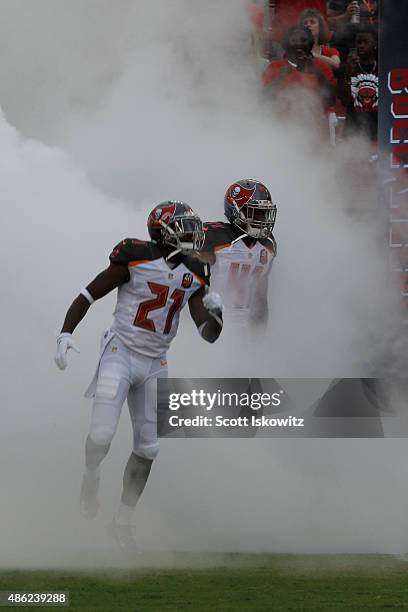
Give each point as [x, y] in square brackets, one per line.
[89, 502]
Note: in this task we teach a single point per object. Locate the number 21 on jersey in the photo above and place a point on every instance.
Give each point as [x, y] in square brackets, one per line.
[160, 301]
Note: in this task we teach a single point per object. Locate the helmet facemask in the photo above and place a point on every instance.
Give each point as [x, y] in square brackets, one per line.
[184, 234]
[257, 218]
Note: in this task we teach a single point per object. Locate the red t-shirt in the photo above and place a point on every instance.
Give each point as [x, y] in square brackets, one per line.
[330, 52]
[294, 78]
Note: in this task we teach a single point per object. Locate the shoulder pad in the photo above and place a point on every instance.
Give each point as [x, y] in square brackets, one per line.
[217, 234]
[198, 267]
[131, 249]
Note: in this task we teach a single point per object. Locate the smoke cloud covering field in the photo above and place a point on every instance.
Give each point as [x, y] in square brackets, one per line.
[110, 108]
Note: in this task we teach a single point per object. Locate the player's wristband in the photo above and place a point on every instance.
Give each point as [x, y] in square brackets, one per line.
[87, 295]
[217, 316]
[214, 316]
[201, 328]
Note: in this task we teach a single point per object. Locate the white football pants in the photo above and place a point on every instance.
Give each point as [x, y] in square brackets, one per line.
[125, 374]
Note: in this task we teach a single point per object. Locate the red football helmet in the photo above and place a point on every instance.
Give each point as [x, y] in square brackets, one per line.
[248, 205]
[176, 225]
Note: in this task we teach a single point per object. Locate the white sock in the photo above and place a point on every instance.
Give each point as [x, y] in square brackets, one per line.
[92, 474]
[124, 514]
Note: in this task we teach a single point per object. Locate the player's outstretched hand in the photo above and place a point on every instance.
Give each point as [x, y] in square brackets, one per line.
[64, 343]
[212, 302]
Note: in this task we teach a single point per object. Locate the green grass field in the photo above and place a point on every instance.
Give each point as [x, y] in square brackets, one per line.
[231, 582]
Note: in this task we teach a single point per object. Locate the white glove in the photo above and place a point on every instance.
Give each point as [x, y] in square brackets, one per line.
[64, 342]
[212, 302]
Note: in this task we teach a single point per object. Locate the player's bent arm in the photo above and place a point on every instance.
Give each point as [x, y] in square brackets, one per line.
[109, 279]
[206, 312]
[105, 282]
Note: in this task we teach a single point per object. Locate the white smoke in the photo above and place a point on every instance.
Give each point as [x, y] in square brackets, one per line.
[138, 102]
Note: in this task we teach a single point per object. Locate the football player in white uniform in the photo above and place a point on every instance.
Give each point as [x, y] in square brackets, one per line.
[154, 280]
[241, 251]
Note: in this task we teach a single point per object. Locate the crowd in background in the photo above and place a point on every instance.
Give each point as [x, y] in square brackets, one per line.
[327, 47]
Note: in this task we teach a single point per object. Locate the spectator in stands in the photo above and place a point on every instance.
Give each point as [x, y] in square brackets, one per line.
[282, 14]
[287, 14]
[360, 89]
[345, 16]
[313, 20]
[300, 69]
[343, 12]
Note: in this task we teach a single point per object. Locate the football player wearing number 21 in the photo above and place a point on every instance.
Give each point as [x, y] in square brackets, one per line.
[155, 280]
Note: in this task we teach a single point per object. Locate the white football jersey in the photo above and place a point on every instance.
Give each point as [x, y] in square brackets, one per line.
[238, 267]
[148, 307]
